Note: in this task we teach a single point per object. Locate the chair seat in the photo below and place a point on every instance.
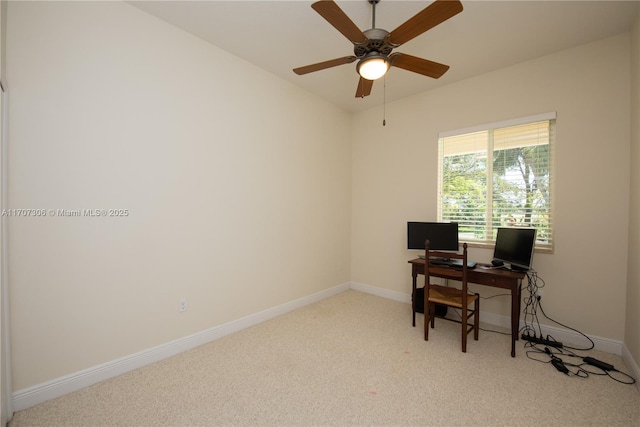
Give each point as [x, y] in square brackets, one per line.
[449, 296]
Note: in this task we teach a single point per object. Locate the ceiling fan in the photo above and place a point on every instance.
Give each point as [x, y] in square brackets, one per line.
[373, 47]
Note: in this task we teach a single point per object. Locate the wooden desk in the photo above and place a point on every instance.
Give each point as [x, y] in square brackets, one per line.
[497, 278]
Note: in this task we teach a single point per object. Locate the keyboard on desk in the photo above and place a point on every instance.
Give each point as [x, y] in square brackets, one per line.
[451, 262]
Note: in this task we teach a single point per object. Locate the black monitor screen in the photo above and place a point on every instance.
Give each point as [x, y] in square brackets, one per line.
[442, 236]
[515, 246]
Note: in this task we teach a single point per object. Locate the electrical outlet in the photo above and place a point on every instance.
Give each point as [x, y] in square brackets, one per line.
[183, 305]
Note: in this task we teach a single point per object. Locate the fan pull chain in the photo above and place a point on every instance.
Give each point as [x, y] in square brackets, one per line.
[384, 101]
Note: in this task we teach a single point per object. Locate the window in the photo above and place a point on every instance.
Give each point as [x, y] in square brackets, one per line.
[498, 175]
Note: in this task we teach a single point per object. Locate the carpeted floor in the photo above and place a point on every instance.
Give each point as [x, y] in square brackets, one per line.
[352, 359]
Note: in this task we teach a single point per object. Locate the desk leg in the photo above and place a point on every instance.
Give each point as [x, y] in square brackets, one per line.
[515, 315]
[413, 297]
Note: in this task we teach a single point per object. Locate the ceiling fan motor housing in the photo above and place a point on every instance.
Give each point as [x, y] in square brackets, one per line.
[377, 41]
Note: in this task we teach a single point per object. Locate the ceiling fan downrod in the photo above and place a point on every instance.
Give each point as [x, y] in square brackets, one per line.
[373, 19]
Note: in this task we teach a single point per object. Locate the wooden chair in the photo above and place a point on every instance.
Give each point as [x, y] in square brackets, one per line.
[450, 296]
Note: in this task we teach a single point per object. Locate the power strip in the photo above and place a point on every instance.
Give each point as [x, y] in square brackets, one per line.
[542, 341]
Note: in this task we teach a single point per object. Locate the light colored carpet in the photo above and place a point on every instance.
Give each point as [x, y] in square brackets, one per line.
[352, 359]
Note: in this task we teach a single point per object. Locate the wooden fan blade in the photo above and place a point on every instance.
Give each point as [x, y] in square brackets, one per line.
[364, 87]
[434, 14]
[323, 65]
[335, 16]
[418, 65]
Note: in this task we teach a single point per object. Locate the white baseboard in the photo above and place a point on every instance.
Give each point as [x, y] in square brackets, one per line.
[384, 293]
[39, 393]
[631, 364]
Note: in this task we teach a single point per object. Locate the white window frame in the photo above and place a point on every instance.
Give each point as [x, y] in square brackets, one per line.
[541, 246]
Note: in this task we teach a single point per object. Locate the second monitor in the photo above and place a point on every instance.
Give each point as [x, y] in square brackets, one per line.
[442, 236]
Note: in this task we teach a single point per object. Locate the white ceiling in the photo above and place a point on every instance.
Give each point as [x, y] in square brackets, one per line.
[487, 35]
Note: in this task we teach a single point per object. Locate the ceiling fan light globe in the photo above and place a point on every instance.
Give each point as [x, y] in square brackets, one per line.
[373, 68]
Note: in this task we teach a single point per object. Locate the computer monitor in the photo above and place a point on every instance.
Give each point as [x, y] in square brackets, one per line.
[514, 246]
[442, 236]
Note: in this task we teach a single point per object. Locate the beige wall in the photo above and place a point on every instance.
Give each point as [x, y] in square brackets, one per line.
[394, 177]
[238, 192]
[632, 331]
